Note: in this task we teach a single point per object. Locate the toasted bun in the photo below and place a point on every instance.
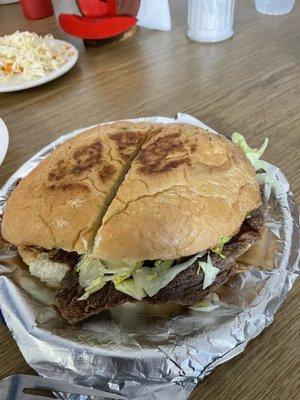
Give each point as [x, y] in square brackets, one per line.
[58, 204]
[185, 190]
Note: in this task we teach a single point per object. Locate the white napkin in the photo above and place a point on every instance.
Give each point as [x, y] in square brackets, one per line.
[155, 14]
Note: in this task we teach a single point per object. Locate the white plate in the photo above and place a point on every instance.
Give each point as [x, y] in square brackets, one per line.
[3, 140]
[18, 84]
[9, 1]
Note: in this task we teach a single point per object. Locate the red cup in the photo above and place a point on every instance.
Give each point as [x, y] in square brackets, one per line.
[37, 9]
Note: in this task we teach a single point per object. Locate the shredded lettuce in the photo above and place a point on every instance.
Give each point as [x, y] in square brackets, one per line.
[210, 272]
[152, 280]
[253, 154]
[129, 287]
[121, 266]
[219, 248]
[93, 287]
[128, 276]
[268, 176]
[91, 275]
[204, 306]
[95, 273]
[133, 287]
[164, 264]
[211, 302]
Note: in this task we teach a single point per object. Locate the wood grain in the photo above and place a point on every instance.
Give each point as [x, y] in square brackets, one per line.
[248, 84]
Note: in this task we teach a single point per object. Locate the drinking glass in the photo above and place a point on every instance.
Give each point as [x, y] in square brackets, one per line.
[274, 7]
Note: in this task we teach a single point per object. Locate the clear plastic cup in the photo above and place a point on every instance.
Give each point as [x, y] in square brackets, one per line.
[274, 7]
[210, 20]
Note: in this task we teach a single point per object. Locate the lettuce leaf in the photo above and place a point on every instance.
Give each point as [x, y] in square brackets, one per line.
[210, 303]
[253, 154]
[128, 276]
[268, 177]
[94, 286]
[91, 275]
[95, 273]
[129, 287]
[219, 248]
[121, 266]
[210, 272]
[152, 280]
[164, 264]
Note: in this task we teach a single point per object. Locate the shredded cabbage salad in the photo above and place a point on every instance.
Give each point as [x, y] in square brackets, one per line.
[30, 56]
[138, 280]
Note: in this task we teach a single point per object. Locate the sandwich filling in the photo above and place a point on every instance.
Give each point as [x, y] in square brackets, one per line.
[193, 283]
[87, 286]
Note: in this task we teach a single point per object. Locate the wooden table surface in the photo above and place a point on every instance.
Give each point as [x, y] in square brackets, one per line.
[248, 84]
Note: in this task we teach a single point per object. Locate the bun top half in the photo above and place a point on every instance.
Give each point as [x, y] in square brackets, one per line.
[156, 191]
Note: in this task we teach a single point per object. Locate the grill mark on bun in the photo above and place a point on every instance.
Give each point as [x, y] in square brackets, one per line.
[107, 172]
[59, 172]
[153, 157]
[193, 148]
[87, 157]
[65, 187]
[125, 141]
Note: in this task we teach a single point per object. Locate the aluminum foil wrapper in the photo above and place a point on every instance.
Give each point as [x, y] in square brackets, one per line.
[152, 352]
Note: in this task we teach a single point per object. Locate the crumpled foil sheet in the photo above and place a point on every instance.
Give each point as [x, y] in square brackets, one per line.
[152, 352]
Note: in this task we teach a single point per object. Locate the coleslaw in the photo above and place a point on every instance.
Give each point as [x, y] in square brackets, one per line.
[30, 56]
